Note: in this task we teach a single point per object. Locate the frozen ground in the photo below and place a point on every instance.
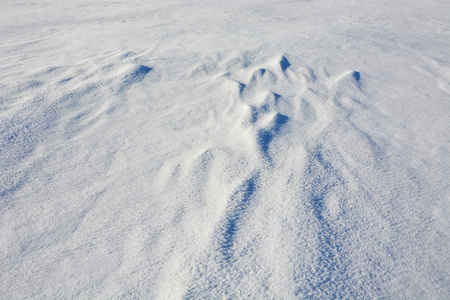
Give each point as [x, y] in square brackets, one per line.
[224, 149]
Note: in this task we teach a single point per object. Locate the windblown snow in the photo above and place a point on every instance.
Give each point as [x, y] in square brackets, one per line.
[224, 149]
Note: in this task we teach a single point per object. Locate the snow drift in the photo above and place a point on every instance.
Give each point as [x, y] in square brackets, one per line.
[262, 149]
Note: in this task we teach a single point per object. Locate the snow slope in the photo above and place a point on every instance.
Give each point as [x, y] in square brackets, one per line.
[224, 149]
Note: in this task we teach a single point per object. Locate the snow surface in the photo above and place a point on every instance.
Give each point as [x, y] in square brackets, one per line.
[224, 149]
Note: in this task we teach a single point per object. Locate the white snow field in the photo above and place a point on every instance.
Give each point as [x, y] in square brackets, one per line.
[224, 149]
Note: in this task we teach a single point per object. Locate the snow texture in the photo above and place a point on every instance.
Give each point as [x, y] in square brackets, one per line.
[224, 149]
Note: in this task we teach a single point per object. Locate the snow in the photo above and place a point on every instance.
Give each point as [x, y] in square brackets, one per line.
[224, 149]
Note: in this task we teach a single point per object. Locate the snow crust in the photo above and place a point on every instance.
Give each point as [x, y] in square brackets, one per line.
[224, 149]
